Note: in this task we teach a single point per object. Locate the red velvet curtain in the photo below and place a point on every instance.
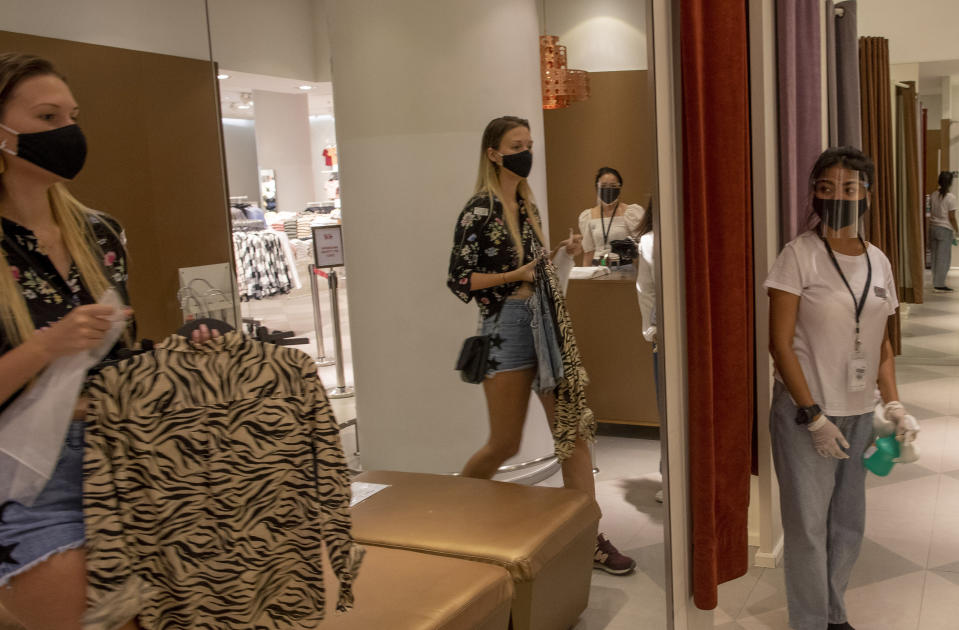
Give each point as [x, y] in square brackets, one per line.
[717, 220]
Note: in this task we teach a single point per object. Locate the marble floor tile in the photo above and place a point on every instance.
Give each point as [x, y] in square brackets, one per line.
[893, 603]
[940, 603]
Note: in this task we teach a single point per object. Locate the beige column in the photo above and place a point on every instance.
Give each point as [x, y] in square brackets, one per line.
[414, 85]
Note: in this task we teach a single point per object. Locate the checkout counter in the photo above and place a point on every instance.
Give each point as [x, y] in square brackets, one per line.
[619, 361]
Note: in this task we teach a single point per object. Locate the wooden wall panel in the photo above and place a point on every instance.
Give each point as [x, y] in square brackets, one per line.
[154, 162]
[615, 127]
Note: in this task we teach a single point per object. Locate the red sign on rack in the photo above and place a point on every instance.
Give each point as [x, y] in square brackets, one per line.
[328, 246]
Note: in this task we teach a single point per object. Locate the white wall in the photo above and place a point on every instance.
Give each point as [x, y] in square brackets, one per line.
[171, 27]
[917, 31]
[409, 119]
[283, 144]
[271, 38]
[321, 42]
[599, 35]
[239, 144]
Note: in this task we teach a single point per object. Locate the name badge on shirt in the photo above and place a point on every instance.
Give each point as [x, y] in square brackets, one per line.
[880, 292]
[856, 373]
[481, 212]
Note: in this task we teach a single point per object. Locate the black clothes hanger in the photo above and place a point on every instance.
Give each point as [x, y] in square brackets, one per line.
[213, 324]
[123, 354]
[279, 337]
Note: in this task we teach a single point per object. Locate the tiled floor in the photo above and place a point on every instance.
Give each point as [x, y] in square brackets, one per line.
[907, 576]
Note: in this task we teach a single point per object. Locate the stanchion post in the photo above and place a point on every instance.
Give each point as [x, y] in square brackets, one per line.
[321, 360]
[341, 390]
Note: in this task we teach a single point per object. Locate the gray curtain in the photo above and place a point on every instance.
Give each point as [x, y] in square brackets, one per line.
[800, 109]
[833, 101]
[848, 122]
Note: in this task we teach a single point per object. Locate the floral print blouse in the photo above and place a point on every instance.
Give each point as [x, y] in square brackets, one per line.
[481, 244]
[48, 295]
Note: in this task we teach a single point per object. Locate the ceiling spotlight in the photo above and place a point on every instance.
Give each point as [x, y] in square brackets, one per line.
[306, 87]
[244, 106]
[222, 76]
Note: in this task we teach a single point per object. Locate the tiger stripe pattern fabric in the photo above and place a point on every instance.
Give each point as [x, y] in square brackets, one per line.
[213, 478]
[574, 420]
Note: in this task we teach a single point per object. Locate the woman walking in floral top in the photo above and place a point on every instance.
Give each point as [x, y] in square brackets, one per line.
[497, 245]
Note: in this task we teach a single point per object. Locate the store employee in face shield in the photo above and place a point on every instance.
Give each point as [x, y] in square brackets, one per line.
[831, 294]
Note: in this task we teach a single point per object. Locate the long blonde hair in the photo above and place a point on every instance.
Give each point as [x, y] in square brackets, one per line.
[487, 180]
[72, 217]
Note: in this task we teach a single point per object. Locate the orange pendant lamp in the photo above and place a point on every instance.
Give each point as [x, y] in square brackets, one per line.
[561, 85]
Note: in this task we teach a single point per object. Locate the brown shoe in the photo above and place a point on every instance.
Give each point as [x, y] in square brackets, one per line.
[608, 558]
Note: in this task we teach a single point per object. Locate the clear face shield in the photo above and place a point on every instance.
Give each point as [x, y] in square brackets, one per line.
[841, 198]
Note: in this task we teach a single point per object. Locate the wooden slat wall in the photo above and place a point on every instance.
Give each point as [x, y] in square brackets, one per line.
[154, 162]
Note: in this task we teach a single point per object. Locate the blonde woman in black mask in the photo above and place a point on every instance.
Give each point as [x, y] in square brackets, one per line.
[831, 295]
[58, 258]
[497, 244]
[609, 227]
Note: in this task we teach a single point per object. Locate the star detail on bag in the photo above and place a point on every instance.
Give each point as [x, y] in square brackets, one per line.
[6, 554]
[496, 341]
[3, 508]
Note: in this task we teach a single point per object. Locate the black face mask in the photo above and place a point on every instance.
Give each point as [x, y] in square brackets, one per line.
[61, 151]
[519, 163]
[608, 194]
[839, 213]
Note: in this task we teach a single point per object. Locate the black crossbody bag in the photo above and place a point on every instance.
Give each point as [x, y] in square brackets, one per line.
[471, 362]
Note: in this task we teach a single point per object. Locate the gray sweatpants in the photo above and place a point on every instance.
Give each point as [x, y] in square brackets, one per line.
[940, 241]
[823, 503]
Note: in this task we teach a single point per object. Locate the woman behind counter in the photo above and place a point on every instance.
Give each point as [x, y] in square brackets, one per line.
[608, 226]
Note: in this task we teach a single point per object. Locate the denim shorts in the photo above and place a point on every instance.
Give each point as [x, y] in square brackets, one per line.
[512, 347]
[54, 523]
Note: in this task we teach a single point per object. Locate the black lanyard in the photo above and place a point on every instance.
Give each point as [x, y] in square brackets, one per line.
[859, 304]
[602, 224]
[56, 281]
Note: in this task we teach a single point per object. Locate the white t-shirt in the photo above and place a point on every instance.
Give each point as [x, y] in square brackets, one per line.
[940, 207]
[646, 285]
[622, 226]
[826, 322]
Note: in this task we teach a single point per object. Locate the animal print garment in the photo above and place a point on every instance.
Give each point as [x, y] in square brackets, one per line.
[213, 475]
[574, 418]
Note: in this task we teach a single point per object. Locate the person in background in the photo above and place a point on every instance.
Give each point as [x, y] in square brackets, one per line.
[831, 295]
[497, 244]
[942, 231]
[647, 271]
[609, 226]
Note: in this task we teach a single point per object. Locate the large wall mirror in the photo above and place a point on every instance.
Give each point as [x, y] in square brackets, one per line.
[146, 88]
[602, 182]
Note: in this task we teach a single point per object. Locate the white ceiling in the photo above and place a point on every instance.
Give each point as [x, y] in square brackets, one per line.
[233, 89]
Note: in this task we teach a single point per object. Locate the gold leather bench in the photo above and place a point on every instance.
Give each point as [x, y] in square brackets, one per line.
[544, 537]
[404, 590]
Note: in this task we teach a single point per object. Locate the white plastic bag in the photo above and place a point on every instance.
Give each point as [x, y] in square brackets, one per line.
[34, 426]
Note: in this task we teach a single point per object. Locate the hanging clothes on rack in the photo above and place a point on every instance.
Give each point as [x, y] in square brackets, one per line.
[213, 477]
[262, 269]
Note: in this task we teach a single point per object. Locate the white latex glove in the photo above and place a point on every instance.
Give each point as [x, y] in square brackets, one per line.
[828, 439]
[908, 453]
[880, 425]
[906, 426]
